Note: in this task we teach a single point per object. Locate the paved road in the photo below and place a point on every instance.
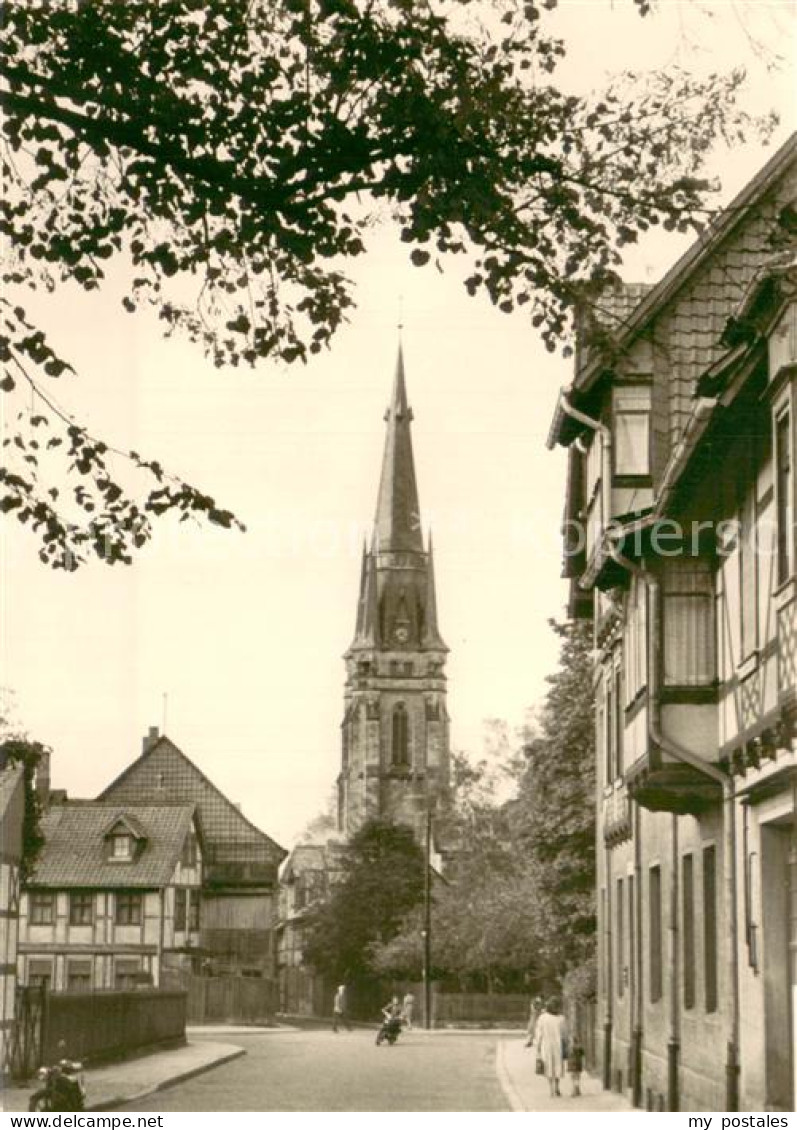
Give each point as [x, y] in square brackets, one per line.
[321, 1071]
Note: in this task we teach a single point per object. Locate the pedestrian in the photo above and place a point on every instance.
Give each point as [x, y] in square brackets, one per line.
[407, 1005]
[340, 1013]
[534, 1015]
[549, 1043]
[575, 1065]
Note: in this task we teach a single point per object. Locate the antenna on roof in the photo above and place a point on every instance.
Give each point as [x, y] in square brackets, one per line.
[165, 709]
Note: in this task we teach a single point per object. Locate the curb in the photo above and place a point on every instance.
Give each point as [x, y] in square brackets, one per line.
[505, 1080]
[172, 1081]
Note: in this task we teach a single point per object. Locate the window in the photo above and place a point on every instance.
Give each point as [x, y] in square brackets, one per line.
[189, 856]
[783, 487]
[40, 972]
[654, 928]
[180, 894]
[81, 908]
[747, 575]
[42, 908]
[193, 910]
[78, 976]
[122, 846]
[127, 973]
[710, 927]
[619, 721]
[689, 648]
[608, 725]
[636, 641]
[620, 940]
[401, 749]
[688, 930]
[407, 668]
[632, 430]
[128, 908]
[613, 725]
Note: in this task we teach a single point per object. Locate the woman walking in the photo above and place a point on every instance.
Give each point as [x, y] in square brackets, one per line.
[548, 1041]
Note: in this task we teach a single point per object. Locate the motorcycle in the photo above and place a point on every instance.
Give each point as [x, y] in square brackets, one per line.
[63, 1088]
[390, 1029]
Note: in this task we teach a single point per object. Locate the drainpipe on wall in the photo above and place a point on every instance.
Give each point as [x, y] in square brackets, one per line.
[608, 1015]
[636, 1035]
[674, 1036]
[606, 452]
[686, 757]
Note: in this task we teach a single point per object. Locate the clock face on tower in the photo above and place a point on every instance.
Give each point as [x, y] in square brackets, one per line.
[401, 634]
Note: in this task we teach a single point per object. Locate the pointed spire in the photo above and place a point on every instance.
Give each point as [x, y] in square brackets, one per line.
[367, 633]
[397, 525]
[431, 633]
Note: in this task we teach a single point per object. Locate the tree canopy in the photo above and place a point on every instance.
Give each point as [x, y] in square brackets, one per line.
[383, 880]
[233, 155]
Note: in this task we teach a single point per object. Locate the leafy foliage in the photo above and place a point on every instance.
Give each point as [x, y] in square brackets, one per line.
[518, 909]
[21, 751]
[383, 880]
[233, 153]
[554, 818]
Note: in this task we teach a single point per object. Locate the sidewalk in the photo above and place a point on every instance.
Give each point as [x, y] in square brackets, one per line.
[118, 1083]
[527, 1091]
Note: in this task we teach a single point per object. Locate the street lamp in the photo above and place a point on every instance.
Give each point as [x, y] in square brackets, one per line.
[426, 933]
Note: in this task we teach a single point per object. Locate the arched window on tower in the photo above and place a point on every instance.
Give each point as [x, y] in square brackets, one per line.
[401, 745]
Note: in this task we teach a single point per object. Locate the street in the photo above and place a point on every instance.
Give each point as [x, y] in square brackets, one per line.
[320, 1071]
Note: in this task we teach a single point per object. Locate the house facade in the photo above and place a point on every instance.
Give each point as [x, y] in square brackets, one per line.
[680, 547]
[240, 862]
[114, 898]
[307, 879]
[12, 811]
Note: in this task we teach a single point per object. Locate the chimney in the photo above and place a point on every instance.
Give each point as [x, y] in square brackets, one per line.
[43, 778]
[149, 739]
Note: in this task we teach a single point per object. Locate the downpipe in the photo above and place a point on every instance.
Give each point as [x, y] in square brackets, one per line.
[686, 757]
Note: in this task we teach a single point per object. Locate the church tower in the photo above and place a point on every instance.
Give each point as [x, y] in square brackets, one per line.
[395, 753]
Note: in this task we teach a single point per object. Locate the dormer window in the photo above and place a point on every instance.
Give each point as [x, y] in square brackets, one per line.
[631, 431]
[124, 839]
[122, 846]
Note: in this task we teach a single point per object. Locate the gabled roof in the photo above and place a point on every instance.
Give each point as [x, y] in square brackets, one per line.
[126, 821]
[75, 853]
[721, 227]
[163, 774]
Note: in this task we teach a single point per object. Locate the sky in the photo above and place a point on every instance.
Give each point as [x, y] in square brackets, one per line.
[233, 642]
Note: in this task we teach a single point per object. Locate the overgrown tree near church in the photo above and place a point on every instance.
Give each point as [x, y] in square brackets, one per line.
[554, 816]
[383, 880]
[518, 909]
[230, 157]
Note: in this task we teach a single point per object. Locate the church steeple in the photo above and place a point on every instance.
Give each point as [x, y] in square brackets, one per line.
[397, 525]
[395, 743]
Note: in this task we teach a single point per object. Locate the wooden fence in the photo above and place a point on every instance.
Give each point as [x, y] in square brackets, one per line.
[230, 1000]
[497, 1009]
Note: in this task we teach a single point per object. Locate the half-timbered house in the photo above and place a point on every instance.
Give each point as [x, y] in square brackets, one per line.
[680, 545]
